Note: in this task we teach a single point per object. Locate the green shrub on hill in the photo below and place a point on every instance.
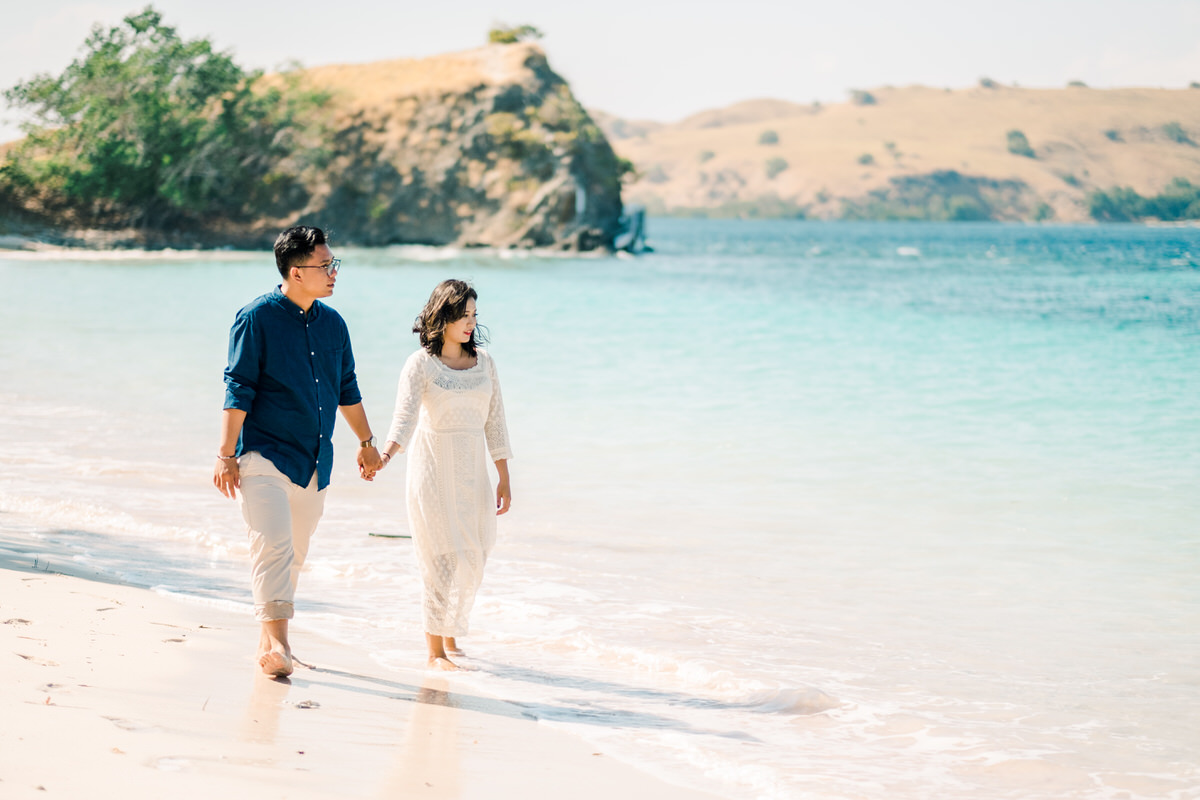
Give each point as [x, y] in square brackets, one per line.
[1018, 145]
[1113, 135]
[656, 174]
[768, 137]
[866, 159]
[768, 206]
[627, 171]
[940, 196]
[1175, 132]
[504, 34]
[1180, 200]
[860, 97]
[1119, 204]
[514, 138]
[775, 166]
[151, 130]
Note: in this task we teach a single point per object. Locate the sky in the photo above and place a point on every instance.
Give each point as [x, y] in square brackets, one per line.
[663, 60]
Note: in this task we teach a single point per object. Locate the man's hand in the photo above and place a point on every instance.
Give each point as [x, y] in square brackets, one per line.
[227, 478]
[369, 462]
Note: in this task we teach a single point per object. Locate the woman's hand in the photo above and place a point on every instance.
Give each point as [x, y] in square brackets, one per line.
[503, 493]
[503, 498]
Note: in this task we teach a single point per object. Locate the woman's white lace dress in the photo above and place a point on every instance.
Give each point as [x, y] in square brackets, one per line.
[454, 419]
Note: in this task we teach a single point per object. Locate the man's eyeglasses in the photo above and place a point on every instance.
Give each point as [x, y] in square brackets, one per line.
[330, 269]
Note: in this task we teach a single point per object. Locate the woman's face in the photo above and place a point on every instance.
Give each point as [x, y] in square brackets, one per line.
[461, 329]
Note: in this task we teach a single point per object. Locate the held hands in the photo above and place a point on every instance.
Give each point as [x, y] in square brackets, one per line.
[369, 462]
[227, 477]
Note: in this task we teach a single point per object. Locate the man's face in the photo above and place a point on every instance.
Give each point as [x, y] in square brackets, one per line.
[311, 276]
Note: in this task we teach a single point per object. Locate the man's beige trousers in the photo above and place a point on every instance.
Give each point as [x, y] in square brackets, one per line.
[280, 519]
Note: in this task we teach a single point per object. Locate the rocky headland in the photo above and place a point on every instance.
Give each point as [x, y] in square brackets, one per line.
[483, 148]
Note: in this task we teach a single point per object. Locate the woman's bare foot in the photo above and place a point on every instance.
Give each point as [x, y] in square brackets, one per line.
[439, 646]
[442, 663]
[275, 663]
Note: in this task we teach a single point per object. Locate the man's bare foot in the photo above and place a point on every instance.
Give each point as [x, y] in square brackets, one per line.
[442, 663]
[275, 663]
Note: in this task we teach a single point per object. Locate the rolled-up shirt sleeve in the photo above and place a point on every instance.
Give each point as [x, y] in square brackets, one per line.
[244, 365]
[348, 393]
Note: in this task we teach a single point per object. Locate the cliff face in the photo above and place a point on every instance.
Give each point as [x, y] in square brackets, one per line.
[482, 148]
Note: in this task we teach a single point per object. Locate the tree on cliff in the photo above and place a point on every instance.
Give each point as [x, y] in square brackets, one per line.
[504, 34]
[147, 129]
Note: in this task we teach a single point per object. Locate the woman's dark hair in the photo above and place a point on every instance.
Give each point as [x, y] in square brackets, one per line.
[296, 244]
[447, 304]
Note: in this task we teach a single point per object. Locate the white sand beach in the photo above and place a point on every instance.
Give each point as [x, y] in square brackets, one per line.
[110, 685]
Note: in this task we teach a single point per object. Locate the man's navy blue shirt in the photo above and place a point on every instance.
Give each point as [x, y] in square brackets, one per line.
[289, 371]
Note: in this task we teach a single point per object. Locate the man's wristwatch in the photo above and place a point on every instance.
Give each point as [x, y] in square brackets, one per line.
[368, 443]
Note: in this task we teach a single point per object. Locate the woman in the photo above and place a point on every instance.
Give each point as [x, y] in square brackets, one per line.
[449, 405]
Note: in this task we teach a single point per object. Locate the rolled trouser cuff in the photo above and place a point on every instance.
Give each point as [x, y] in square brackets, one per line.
[276, 609]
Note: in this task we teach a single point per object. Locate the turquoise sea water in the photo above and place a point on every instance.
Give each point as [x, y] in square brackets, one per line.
[801, 509]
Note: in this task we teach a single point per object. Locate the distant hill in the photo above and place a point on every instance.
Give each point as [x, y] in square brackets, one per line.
[915, 152]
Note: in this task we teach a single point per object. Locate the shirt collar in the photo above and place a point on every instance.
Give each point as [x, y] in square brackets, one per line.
[287, 304]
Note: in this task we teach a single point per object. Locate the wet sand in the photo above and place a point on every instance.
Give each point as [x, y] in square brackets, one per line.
[111, 688]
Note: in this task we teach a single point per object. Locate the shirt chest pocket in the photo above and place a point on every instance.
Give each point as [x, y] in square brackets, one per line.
[327, 365]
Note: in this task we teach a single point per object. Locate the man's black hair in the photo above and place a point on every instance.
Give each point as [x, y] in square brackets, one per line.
[295, 245]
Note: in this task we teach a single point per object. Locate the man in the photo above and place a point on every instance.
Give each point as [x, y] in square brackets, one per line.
[290, 366]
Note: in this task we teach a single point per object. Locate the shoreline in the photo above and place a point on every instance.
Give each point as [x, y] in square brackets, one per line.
[120, 242]
[160, 696]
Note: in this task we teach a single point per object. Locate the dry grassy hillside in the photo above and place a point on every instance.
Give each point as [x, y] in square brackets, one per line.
[382, 84]
[828, 159]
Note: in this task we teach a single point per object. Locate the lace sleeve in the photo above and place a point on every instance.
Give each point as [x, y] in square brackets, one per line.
[495, 430]
[408, 400]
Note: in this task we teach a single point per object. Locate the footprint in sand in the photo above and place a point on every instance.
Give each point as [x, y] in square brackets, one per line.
[39, 661]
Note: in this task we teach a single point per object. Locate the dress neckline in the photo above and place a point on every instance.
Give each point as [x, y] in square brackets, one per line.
[444, 365]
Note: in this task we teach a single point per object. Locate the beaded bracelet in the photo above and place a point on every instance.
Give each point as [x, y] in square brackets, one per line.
[227, 458]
